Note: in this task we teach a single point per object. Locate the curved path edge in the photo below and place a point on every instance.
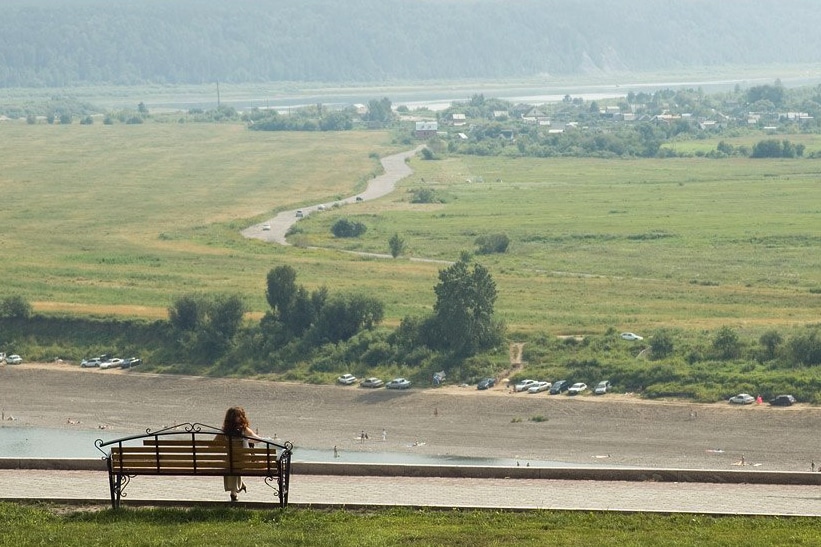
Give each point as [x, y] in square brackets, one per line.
[395, 170]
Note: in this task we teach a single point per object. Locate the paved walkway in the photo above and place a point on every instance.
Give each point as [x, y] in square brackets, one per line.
[352, 491]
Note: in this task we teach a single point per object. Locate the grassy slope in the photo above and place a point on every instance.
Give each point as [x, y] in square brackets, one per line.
[107, 219]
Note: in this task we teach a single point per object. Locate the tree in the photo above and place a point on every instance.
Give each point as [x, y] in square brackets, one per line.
[770, 340]
[344, 316]
[463, 313]
[726, 343]
[186, 312]
[15, 307]
[397, 245]
[661, 344]
[281, 283]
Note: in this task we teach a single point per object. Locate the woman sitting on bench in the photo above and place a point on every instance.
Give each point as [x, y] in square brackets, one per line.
[236, 424]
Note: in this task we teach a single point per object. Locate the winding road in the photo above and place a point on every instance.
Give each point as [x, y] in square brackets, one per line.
[395, 170]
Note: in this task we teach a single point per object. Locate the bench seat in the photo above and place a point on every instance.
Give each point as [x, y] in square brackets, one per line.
[196, 449]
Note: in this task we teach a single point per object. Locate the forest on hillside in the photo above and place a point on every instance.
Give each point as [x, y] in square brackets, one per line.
[54, 43]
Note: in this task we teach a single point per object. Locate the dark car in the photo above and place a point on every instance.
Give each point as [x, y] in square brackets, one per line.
[559, 386]
[783, 400]
[486, 383]
[131, 362]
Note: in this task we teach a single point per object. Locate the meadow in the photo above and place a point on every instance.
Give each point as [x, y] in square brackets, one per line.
[117, 220]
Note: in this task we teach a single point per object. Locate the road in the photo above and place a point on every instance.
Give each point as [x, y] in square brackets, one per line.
[396, 169]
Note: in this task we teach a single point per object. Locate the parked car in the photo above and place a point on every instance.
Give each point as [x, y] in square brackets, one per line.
[539, 387]
[111, 363]
[299, 214]
[577, 388]
[601, 388]
[783, 400]
[742, 399]
[93, 362]
[524, 385]
[266, 227]
[631, 336]
[371, 382]
[131, 362]
[398, 383]
[486, 383]
[14, 359]
[559, 386]
[346, 379]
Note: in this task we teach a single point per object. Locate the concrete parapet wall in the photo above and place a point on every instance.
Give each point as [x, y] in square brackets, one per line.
[739, 476]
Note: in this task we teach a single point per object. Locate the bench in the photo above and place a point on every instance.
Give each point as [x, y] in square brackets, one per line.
[195, 450]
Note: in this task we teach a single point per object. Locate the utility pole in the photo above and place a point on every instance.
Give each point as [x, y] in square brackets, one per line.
[218, 94]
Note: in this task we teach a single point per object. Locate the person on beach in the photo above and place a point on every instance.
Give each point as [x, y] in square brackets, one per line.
[237, 429]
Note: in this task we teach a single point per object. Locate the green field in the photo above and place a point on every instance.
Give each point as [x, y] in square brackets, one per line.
[120, 219]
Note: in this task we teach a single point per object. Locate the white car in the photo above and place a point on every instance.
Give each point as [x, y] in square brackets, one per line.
[266, 227]
[93, 362]
[576, 388]
[346, 379]
[538, 387]
[631, 336]
[742, 399]
[112, 363]
[14, 359]
[602, 387]
[524, 385]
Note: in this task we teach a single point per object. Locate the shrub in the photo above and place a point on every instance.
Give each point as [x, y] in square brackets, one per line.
[347, 228]
[493, 243]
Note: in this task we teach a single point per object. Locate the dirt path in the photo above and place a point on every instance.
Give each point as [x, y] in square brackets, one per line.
[458, 421]
[395, 168]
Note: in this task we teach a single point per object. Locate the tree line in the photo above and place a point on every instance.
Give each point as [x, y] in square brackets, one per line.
[52, 43]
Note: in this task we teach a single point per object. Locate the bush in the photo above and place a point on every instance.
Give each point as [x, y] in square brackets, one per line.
[493, 243]
[347, 228]
[15, 307]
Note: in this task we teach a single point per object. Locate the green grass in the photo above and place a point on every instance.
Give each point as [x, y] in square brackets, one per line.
[120, 219]
[38, 525]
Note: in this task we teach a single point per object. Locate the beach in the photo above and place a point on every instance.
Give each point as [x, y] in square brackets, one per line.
[448, 421]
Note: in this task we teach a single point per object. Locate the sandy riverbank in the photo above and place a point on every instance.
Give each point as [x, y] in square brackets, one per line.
[458, 421]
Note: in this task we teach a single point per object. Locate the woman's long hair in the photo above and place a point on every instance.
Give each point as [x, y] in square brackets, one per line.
[235, 421]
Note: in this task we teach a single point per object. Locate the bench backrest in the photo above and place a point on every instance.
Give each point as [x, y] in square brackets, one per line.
[196, 453]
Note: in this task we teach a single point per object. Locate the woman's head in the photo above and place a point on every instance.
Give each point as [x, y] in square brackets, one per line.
[235, 421]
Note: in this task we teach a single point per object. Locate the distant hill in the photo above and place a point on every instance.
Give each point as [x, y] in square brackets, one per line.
[61, 43]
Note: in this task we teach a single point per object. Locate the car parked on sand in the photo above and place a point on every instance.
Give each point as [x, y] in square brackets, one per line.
[266, 227]
[14, 359]
[371, 382]
[559, 386]
[631, 336]
[93, 362]
[524, 385]
[131, 362]
[577, 388]
[742, 399]
[486, 383]
[111, 363]
[346, 379]
[299, 214]
[601, 388]
[398, 383]
[538, 387]
[783, 400]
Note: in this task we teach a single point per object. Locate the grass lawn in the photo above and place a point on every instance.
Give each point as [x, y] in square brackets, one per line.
[38, 525]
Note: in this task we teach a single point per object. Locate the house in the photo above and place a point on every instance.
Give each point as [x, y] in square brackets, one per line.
[458, 119]
[533, 116]
[500, 114]
[426, 130]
